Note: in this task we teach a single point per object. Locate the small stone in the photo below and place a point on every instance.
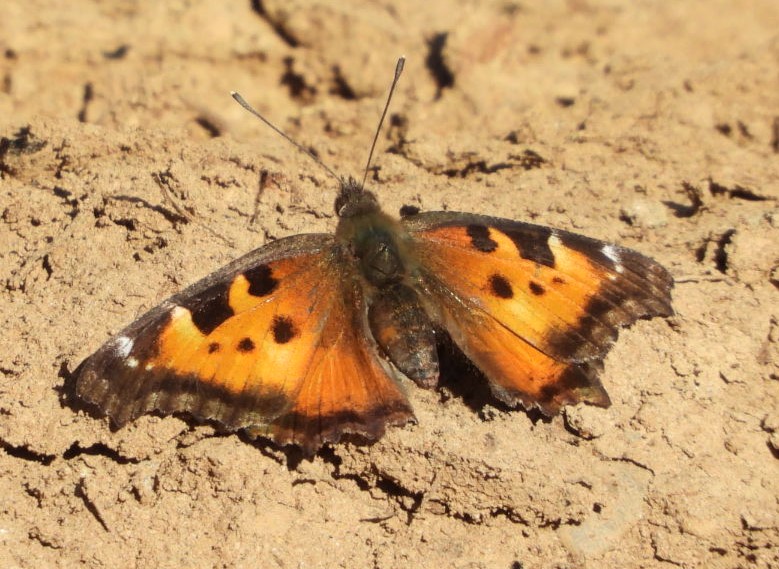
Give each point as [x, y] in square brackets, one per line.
[758, 521]
[770, 423]
[645, 213]
[587, 422]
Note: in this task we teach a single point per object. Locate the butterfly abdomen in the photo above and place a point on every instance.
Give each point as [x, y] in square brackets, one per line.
[402, 328]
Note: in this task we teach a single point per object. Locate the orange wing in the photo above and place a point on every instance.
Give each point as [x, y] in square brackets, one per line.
[276, 342]
[535, 309]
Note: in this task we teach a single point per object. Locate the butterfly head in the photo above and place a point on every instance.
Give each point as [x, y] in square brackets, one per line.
[354, 200]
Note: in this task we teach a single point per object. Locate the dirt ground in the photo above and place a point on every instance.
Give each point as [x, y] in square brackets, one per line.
[128, 172]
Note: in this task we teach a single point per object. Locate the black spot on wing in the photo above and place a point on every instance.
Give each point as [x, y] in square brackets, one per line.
[261, 280]
[480, 238]
[214, 347]
[245, 345]
[210, 308]
[283, 329]
[532, 241]
[501, 287]
[536, 288]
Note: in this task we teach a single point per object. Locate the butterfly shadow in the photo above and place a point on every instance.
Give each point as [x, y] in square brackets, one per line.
[460, 378]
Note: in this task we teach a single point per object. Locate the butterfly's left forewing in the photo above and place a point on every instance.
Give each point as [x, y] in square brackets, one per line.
[276, 342]
[535, 309]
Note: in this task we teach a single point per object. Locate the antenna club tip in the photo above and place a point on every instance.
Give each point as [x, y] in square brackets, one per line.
[237, 97]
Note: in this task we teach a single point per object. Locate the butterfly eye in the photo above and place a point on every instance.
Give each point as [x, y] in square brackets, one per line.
[353, 200]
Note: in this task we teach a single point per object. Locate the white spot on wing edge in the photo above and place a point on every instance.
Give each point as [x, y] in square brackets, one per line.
[123, 346]
[613, 255]
[131, 362]
[178, 312]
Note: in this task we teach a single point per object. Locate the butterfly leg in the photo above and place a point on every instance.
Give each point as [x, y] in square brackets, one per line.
[402, 328]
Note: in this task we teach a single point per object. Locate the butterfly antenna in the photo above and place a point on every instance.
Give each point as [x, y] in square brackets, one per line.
[398, 71]
[241, 101]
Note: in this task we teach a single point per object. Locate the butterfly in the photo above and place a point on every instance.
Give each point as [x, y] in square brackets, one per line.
[314, 336]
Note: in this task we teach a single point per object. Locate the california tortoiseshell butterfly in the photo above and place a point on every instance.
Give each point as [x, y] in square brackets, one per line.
[309, 337]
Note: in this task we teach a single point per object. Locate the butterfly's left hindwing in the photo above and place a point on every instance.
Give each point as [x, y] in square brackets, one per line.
[535, 309]
[277, 342]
